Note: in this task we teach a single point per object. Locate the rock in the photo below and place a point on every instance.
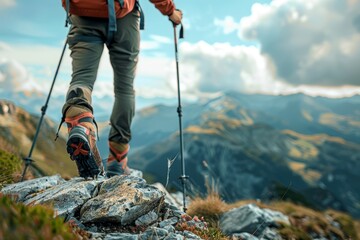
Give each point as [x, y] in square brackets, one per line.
[169, 228]
[250, 219]
[66, 198]
[121, 199]
[172, 211]
[97, 236]
[170, 221]
[189, 235]
[7, 107]
[136, 173]
[147, 219]
[178, 198]
[169, 198]
[121, 236]
[112, 183]
[154, 233]
[243, 236]
[74, 221]
[270, 234]
[23, 189]
[277, 216]
[108, 209]
[174, 236]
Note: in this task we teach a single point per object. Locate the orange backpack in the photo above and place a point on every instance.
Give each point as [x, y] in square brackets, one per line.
[98, 8]
[111, 9]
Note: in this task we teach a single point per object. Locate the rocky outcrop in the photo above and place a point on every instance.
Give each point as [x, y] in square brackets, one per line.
[24, 190]
[7, 107]
[122, 200]
[122, 207]
[251, 222]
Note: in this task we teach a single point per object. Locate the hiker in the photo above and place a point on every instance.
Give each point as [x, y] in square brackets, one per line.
[92, 28]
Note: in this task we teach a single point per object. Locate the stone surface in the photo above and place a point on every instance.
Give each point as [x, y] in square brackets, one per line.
[97, 236]
[243, 236]
[23, 189]
[250, 219]
[170, 198]
[189, 235]
[170, 221]
[121, 199]
[147, 219]
[174, 236]
[108, 209]
[154, 233]
[169, 228]
[136, 173]
[270, 234]
[67, 197]
[121, 236]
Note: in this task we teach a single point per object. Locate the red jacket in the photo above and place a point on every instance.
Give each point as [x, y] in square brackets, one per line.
[99, 8]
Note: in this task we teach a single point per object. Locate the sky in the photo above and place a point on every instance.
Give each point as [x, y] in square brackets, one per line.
[268, 47]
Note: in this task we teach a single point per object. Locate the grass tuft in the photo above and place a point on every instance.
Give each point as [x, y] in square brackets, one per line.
[36, 222]
[210, 208]
[10, 167]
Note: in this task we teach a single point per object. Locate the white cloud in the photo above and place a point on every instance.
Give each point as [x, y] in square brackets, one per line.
[7, 4]
[155, 43]
[161, 39]
[228, 25]
[34, 54]
[313, 42]
[211, 68]
[15, 78]
[186, 23]
[222, 67]
[149, 45]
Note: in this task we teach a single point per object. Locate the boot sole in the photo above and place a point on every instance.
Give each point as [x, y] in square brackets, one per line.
[83, 158]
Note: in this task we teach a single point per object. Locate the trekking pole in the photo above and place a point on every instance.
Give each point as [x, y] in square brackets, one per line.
[28, 159]
[183, 177]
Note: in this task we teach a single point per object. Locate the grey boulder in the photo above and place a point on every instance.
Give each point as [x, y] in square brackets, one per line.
[67, 197]
[23, 189]
[251, 219]
[121, 199]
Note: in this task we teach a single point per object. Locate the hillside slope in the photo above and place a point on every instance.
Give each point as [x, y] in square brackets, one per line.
[17, 128]
[247, 158]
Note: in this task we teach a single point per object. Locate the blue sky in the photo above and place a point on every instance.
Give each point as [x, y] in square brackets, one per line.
[272, 47]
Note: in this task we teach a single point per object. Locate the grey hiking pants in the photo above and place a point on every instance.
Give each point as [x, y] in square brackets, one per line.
[86, 54]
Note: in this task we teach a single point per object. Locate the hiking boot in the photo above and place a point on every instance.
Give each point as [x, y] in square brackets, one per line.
[81, 143]
[117, 160]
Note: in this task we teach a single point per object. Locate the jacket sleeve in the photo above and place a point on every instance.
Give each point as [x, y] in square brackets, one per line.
[166, 7]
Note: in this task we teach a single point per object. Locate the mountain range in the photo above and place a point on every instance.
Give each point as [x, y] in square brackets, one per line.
[257, 146]
[292, 147]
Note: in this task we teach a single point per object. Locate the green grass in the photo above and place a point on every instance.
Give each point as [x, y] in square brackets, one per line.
[37, 222]
[10, 167]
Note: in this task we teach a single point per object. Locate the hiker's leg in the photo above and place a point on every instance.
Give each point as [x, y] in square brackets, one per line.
[85, 62]
[124, 52]
[78, 112]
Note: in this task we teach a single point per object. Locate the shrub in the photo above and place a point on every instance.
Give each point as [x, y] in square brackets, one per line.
[22, 222]
[346, 222]
[210, 208]
[10, 166]
[199, 227]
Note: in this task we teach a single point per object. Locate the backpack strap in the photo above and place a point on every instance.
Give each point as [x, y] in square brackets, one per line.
[121, 2]
[112, 28]
[112, 20]
[68, 20]
[142, 16]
